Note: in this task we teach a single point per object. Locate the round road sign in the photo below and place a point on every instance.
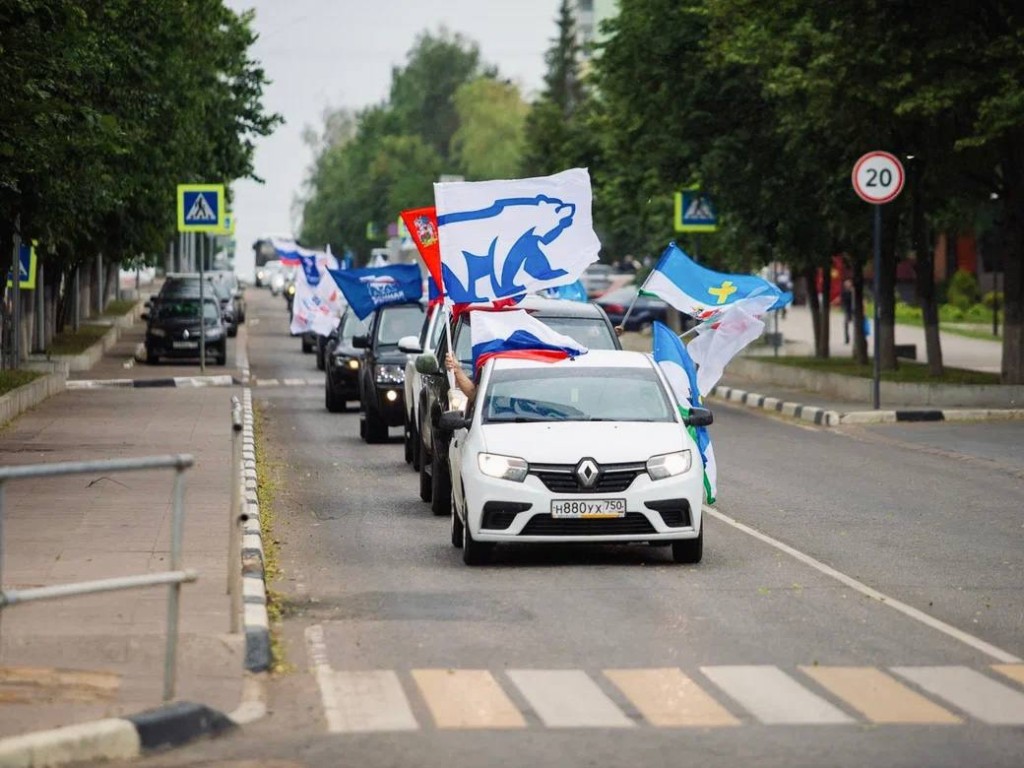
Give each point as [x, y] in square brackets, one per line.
[878, 177]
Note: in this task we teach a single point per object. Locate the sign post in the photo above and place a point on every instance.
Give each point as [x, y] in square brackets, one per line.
[201, 208]
[878, 179]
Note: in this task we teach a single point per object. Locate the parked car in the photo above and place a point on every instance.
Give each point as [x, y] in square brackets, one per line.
[342, 362]
[233, 284]
[433, 328]
[174, 325]
[597, 278]
[382, 369]
[646, 310]
[554, 452]
[585, 322]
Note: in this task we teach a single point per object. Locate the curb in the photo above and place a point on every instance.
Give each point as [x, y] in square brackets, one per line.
[827, 418]
[818, 416]
[114, 738]
[172, 381]
[254, 585]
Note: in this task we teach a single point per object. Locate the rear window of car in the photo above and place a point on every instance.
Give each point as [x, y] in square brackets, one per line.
[591, 332]
[575, 393]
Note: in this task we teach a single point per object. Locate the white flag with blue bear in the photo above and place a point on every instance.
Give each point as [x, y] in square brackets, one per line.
[503, 239]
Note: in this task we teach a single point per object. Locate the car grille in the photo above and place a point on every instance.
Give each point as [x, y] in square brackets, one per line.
[543, 525]
[674, 512]
[561, 478]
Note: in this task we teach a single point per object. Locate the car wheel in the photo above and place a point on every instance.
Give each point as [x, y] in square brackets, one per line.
[426, 482]
[457, 527]
[321, 362]
[474, 552]
[221, 358]
[306, 346]
[232, 331]
[151, 359]
[376, 429]
[689, 550]
[440, 484]
[407, 440]
[415, 436]
[334, 402]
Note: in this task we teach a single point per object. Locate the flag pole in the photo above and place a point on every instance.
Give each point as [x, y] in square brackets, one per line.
[448, 337]
[629, 311]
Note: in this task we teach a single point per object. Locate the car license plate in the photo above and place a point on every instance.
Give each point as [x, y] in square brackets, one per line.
[590, 508]
[185, 344]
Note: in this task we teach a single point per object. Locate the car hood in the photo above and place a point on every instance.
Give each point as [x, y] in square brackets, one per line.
[566, 442]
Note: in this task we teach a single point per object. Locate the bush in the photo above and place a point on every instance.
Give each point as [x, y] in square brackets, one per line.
[963, 290]
[991, 298]
[907, 312]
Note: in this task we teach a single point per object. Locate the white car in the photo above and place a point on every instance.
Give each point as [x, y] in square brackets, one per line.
[586, 450]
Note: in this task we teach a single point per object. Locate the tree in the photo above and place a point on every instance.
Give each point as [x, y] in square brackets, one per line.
[488, 143]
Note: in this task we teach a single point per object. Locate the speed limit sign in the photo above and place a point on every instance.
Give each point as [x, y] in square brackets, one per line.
[878, 177]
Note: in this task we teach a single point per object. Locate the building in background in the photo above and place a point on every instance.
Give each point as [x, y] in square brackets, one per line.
[589, 15]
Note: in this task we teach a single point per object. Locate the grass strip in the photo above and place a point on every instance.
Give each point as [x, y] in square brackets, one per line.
[10, 380]
[267, 486]
[119, 307]
[71, 342]
[909, 372]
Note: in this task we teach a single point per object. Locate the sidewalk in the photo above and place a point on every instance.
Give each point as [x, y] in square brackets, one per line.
[76, 660]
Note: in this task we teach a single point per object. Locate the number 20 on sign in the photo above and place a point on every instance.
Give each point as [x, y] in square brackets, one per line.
[878, 177]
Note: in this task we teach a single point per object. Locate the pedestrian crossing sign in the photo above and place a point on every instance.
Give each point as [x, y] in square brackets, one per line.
[26, 268]
[694, 212]
[201, 208]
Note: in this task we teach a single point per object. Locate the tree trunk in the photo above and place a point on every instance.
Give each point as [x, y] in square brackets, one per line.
[810, 277]
[1013, 264]
[825, 310]
[924, 267]
[860, 342]
[887, 289]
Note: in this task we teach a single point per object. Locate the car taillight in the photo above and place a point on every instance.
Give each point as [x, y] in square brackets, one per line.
[615, 309]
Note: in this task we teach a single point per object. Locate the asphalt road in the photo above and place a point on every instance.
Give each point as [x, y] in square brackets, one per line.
[860, 603]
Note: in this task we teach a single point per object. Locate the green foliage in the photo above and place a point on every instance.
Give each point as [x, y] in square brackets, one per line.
[962, 291]
[10, 380]
[488, 143]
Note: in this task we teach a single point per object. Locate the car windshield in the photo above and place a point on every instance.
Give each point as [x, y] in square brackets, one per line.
[396, 322]
[351, 326]
[591, 332]
[568, 393]
[185, 309]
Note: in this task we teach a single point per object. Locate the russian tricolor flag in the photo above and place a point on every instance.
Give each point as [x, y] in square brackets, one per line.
[515, 333]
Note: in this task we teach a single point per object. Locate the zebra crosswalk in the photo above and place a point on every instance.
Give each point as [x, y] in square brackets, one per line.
[361, 701]
[289, 382]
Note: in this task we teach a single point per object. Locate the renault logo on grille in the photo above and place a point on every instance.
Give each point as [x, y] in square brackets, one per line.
[185, 334]
[587, 473]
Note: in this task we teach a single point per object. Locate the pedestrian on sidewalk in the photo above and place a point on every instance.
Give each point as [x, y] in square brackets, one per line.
[846, 301]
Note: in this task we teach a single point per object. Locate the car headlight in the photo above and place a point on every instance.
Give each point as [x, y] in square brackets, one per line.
[291, 290]
[389, 374]
[353, 363]
[503, 467]
[158, 332]
[669, 464]
[212, 334]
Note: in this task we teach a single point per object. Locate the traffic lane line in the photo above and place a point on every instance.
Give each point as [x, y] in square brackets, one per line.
[918, 615]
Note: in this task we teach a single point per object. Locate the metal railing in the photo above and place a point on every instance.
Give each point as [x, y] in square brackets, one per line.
[174, 578]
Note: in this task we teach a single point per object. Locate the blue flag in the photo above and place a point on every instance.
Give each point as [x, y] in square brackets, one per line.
[372, 287]
[701, 292]
[675, 362]
[571, 292]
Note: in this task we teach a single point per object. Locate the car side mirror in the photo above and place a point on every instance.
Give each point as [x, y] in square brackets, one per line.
[144, 316]
[452, 420]
[426, 364]
[410, 345]
[361, 341]
[699, 417]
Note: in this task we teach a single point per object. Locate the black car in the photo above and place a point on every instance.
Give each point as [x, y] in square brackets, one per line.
[587, 323]
[234, 286]
[173, 329]
[342, 362]
[646, 310]
[382, 373]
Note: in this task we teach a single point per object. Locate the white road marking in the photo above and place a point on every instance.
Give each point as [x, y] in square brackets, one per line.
[322, 670]
[773, 697]
[567, 698]
[907, 610]
[971, 691]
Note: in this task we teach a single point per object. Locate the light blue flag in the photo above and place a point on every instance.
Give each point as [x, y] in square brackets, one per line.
[571, 292]
[675, 362]
[701, 292]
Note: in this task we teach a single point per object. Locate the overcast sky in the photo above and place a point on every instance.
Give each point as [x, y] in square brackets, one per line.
[339, 53]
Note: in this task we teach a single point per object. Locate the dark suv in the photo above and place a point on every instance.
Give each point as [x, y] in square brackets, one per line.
[173, 328]
[587, 323]
[382, 370]
[342, 362]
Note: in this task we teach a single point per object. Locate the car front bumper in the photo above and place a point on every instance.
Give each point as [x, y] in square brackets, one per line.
[389, 403]
[656, 510]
